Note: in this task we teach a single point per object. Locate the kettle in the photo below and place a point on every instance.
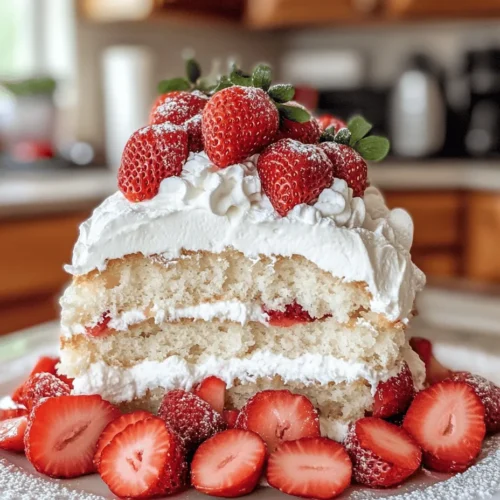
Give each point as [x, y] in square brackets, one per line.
[417, 110]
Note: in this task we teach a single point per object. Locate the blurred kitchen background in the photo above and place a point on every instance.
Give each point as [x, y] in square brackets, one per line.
[79, 76]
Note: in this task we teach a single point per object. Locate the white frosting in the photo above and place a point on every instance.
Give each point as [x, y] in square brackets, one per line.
[210, 209]
[118, 384]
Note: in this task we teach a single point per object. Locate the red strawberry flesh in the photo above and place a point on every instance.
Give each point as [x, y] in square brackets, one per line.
[383, 454]
[63, 432]
[228, 464]
[114, 428]
[310, 468]
[447, 421]
[278, 416]
[42, 385]
[213, 391]
[434, 370]
[146, 459]
[307, 132]
[12, 433]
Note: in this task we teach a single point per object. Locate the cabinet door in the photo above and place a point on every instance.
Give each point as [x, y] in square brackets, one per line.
[482, 255]
[283, 13]
[421, 9]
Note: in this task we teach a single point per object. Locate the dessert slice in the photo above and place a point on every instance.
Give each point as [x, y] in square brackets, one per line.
[269, 265]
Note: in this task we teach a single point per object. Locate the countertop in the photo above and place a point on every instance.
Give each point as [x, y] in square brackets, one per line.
[27, 193]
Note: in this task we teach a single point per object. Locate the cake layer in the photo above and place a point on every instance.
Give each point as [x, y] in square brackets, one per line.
[136, 288]
[359, 341]
[357, 240]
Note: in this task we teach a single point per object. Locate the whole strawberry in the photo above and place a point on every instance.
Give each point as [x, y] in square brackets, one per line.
[292, 173]
[177, 107]
[348, 148]
[325, 121]
[348, 165]
[243, 115]
[152, 154]
[237, 123]
[307, 132]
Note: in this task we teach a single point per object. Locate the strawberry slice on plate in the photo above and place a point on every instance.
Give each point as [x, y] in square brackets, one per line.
[230, 417]
[383, 455]
[278, 416]
[63, 432]
[193, 419]
[310, 468]
[447, 421]
[12, 433]
[394, 395]
[213, 391]
[488, 393]
[45, 364]
[114, 428]
[228, 464]
[12, 410]
[40, 386]
[146, 459]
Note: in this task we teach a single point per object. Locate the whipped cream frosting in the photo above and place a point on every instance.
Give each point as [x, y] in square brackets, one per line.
[117, 384]
[211, 209]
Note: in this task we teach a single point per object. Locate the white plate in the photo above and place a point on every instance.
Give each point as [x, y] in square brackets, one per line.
[19, 481]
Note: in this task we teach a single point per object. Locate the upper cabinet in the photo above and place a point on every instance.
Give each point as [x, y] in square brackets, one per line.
[287, 13]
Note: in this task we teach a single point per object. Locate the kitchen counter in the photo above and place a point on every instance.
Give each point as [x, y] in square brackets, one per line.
[26, 193]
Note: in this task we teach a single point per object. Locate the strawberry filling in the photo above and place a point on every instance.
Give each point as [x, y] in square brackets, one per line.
[101, 327]
[294, 314]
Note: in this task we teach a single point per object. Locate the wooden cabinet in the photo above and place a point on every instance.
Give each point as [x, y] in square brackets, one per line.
[482, 256]
[439, 9]
[438, 238]
[32, 254]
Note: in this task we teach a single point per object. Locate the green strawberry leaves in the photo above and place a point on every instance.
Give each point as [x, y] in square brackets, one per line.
[343, 136]
[193, 70]
[262, 76]
[238, 77]
[173, 84]
[294, 113]
[223, 83]
[373, 148]
[281, 92]
[358, 127]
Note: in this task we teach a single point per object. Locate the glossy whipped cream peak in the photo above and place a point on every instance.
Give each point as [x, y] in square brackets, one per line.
[211, 209]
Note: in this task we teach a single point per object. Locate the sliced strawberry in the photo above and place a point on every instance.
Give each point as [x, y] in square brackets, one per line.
[145, 459]
[63, 432]
[310, 468]
[114, 428]
[230, 417]
[12, 433]
[434, 370]
[228, 464]
[328, 120]
[213, 391]
[45, 364]
[42, 385]
[432, 463]
[447, 421]
[101, 327]
[13, 411]
[382, 454]
[292, 173]
[394, 395]
[193, 419]
[488, 393]
[278, 416]
[292, 315]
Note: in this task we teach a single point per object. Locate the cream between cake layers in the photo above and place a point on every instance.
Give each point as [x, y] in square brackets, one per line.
[186, 285]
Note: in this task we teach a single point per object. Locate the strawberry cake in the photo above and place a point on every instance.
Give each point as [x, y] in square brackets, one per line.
[245, 245]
